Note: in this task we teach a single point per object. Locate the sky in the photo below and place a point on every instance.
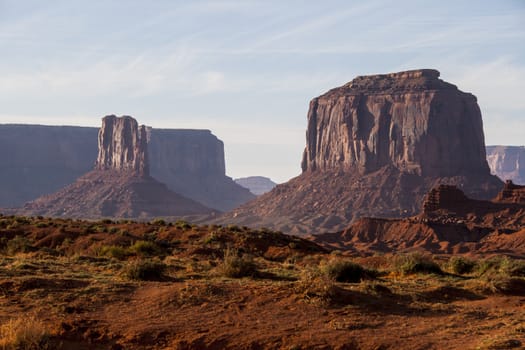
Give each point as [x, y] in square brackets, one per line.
[247, 70]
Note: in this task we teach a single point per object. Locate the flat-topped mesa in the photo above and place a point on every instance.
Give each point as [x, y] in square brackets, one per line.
[123, 146]
[412, 121]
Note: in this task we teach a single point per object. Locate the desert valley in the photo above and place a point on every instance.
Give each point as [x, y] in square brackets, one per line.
[398, 233]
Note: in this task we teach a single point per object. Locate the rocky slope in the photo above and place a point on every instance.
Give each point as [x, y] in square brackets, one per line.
[449, 223]
[375, 147]
[39, 160]
[120, 185]
[507, 162]
[256, 184]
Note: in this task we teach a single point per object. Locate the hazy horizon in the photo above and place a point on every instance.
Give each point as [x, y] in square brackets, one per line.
[246, 70]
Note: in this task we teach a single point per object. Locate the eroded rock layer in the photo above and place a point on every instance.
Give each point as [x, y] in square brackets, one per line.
[39, 160]
[450, 223]
[119, 186]
[375, 147]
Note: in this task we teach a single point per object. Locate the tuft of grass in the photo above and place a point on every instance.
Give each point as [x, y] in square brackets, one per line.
[18, 244]
[115, 251]
[145, 270]
[416, 263]
[347, 271]
[24, 333]
[145, 248]
[236, 266]
[460, 265]
[317, 287]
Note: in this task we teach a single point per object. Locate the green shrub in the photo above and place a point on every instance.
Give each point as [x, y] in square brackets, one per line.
[416, 263]
[115, 251]
[18, 244]
[236, 266]
[145, 270]
[159, 222]
[347, 271]
[145, 248]
[183, 225]
[460, 265]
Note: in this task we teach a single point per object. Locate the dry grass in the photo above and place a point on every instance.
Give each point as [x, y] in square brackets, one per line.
[24, 333]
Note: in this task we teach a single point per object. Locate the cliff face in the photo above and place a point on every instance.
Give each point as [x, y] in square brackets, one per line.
[39, 160]
[191, 162]
[507, 162]
[122, 145]
[412, 121]
[42, 159]
[119, 186]
[375, 147]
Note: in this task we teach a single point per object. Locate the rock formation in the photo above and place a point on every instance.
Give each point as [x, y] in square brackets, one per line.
[450, 223]
[191, 162]
[507, 162]
[256, 184]
[42, 159]
[122, 146]
[39, 160]
[375, 147]
[120, 185]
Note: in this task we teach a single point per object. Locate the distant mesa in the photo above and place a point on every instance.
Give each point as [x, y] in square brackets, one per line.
[120, 185]
[374, 147]
[507, 162]
[256, 184]
[39, 160]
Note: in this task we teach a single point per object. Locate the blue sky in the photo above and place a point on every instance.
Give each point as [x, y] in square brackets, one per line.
[247, 69]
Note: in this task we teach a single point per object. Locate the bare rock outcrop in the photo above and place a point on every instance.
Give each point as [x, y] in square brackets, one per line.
[507, 162]
[39, 160]
[122, 145]
[120, 185]
[451, 223]
[375, 147]
[411, 120]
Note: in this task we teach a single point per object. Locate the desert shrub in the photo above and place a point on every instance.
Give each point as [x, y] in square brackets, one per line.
[145, 248]
[159, 222]
[24, 333]
[183, 225]
[115, 251]
[236, 266]
[145, 270]
[18, 244]
[347, 271]
[501, 265]
[317, 287]
[416, 263]
[460, 265]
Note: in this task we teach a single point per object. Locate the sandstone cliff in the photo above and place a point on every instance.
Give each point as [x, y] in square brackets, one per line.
[39, 160]
[507, 162]
[122, 145]
[412, 121]
[375, 147]
[120, 185]
[191, 162]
